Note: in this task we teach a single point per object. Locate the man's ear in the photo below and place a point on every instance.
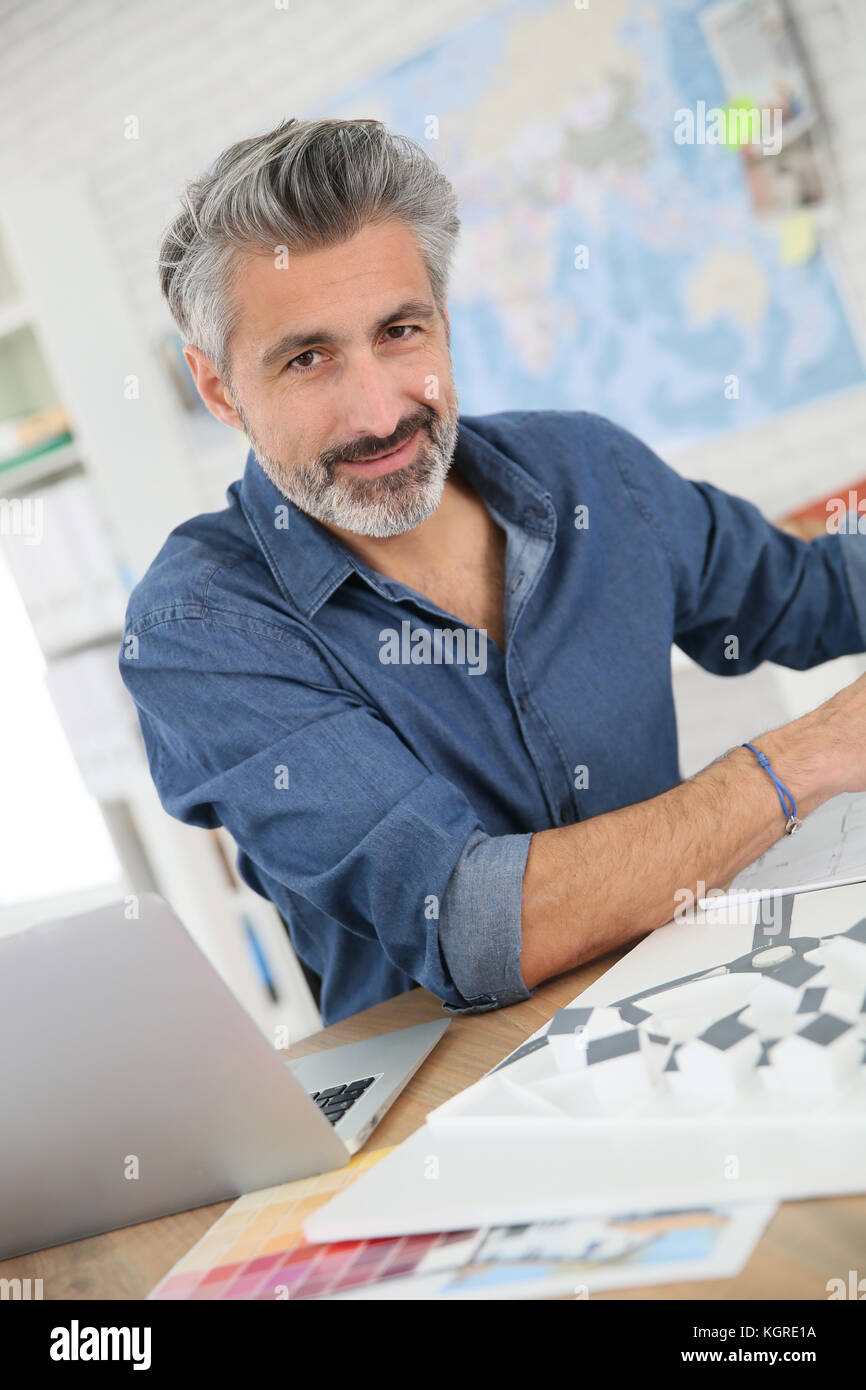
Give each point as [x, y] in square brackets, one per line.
[211, 387]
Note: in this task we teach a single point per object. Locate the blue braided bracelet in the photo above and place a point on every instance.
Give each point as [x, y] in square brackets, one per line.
[789, 805]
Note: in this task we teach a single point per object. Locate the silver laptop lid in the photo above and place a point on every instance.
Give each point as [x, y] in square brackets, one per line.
[132, 1082]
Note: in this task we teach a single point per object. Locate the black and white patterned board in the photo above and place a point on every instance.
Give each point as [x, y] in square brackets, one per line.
[795, 971]
[751, 963]
[525, 1050]
[779, 928]
[726, 1033]
[615, 1045]
[569, 1020]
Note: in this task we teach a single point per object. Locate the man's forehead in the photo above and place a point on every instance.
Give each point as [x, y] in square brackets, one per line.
[340, 286]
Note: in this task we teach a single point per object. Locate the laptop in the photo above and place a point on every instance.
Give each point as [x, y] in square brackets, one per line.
[133, 1084]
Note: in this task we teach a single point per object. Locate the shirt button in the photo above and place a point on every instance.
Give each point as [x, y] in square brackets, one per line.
[521, 704]
[565, 813]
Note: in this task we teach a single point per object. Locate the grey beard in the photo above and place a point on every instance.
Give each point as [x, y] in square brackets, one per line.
[380, 507]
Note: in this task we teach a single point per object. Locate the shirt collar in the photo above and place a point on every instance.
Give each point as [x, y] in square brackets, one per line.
[309, 563]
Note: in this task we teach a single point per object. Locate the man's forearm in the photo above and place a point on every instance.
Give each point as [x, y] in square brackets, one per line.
[611, 879]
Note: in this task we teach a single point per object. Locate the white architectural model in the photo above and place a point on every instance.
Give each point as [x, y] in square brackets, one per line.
[778, 1031]
[742, 1079]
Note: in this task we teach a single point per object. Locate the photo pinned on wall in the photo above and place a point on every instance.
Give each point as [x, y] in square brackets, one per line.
[773, 114]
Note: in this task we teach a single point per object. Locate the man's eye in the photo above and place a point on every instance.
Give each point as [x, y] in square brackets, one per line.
[302, 362]
[407, 328]
[311, 352]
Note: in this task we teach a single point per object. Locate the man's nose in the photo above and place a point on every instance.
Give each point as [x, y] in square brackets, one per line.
[373, 404]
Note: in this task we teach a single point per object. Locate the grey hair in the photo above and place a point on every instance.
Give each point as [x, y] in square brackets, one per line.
[306, 185]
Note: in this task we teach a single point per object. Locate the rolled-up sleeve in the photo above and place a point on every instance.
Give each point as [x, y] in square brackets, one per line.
[480, 922]
[246, 726]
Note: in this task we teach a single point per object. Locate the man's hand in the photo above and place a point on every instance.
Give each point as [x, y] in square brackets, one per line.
[609, 880]
[826, 748]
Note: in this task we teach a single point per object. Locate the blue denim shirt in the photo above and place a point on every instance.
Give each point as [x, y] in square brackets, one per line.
[381, 781]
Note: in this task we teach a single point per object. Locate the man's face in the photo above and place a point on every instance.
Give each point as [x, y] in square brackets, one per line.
[340, 356]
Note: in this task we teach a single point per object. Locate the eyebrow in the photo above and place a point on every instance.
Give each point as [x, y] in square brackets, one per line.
[292, 344]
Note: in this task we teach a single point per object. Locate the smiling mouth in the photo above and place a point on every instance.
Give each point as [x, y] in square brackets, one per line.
[383, 463]
[374, 458]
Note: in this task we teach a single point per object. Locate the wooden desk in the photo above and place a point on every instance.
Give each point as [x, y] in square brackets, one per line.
[806, 1243]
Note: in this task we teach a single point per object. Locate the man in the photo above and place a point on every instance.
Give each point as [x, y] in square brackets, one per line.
[419, 667]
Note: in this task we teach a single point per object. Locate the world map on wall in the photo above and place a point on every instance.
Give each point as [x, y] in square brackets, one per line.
[556, 137]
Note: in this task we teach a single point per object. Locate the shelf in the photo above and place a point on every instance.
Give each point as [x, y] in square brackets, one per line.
[20, 473]
[27, 383]
[103, 637]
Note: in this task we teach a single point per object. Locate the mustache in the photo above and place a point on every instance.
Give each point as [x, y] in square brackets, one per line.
[363, 448]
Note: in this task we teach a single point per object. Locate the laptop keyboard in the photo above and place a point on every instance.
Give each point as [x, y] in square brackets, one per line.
[337, 1100]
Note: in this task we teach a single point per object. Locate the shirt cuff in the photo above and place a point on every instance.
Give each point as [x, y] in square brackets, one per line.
[854, 558]
[480, 932]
